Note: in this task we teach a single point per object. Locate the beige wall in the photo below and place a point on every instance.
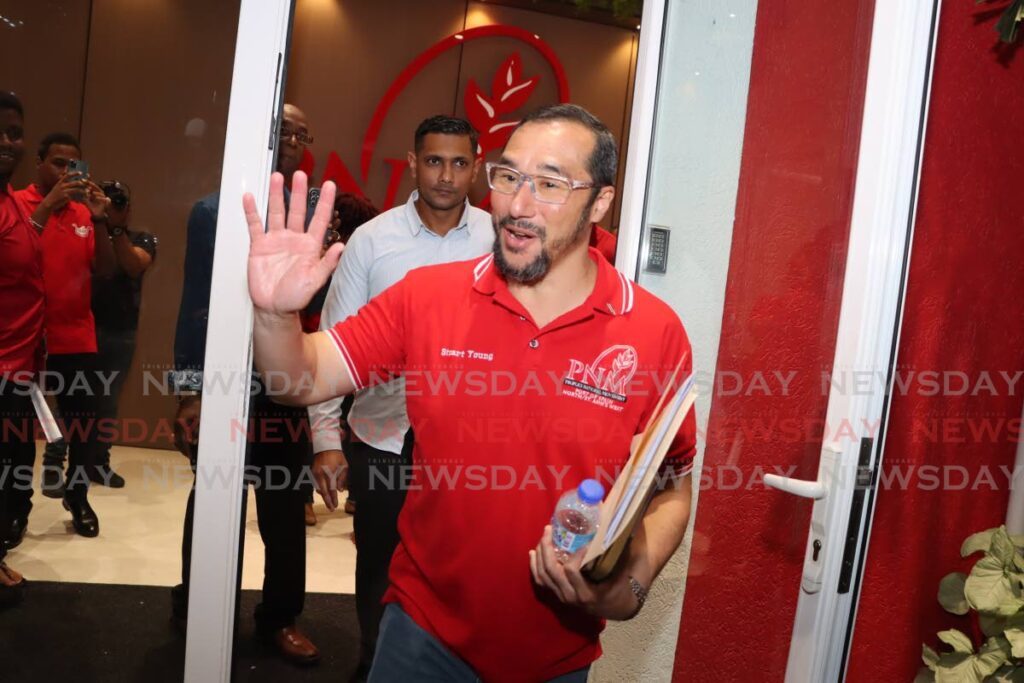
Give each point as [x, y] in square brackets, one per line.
[151, 67]
[42, 59]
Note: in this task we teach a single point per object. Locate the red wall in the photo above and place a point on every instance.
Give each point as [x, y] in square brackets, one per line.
[781, 312]
[964, 312]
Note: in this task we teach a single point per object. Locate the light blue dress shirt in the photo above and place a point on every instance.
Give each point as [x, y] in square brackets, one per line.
[379, 254]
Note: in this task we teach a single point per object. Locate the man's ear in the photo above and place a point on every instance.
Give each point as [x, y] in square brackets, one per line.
[602, 203]
[478, 163]
[412, 164]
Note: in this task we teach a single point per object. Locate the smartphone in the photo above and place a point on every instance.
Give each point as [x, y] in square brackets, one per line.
[78, 167]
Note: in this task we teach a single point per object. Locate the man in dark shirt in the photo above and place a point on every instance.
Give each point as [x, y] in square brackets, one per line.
[280, 510]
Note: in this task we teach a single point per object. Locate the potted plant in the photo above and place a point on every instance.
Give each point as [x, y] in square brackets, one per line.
[994, 593]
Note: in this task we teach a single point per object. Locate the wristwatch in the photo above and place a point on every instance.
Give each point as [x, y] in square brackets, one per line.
[641, 595]
[115, 230]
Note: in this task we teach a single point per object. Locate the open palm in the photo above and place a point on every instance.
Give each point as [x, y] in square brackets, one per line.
[286, 262]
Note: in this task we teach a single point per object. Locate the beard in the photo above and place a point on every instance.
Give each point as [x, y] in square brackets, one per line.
[535, 270]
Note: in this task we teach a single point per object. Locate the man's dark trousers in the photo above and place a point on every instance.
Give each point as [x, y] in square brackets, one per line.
[376, 531]
[276, 464]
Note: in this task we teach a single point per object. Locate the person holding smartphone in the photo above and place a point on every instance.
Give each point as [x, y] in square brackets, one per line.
[66, 207]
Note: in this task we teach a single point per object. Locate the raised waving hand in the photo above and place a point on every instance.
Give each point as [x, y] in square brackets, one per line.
[287, 264]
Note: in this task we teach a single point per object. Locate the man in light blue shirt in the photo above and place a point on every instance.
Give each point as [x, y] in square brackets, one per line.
[436, 225]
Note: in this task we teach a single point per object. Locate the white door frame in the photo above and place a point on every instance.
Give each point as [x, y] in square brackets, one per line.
[878, 259]
[892, 140]
[249, 148]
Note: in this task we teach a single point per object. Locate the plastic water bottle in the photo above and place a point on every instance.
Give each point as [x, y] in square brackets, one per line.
[574, 523]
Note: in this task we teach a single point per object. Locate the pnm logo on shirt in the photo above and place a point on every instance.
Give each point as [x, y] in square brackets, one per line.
[81, 230]
[604, 381]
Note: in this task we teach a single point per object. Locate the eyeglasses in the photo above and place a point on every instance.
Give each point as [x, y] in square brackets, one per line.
[301, 136]
[549, 189]
[13, 133]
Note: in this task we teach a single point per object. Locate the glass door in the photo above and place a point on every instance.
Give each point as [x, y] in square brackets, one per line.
[134, 98]
[768, 227]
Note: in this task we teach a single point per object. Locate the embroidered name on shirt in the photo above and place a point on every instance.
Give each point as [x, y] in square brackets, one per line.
[471, 354]
[604, 381]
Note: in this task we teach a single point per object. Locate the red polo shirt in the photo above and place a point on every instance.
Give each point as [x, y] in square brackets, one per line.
[507, 417]
[21, 281]
[69, 247]
[604, 241]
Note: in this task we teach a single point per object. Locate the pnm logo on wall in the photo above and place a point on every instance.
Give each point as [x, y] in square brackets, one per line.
[603, 382]
[492, 113]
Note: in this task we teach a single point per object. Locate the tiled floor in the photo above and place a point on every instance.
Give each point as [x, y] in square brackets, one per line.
[140, 533]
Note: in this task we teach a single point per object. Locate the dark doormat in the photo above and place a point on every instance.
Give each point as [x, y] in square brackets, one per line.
[111, 633]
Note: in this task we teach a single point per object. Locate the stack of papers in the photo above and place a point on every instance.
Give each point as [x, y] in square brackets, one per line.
[629, 497]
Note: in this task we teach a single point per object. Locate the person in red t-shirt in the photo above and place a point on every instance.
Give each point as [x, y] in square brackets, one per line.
[572, 356]
[66, 208]
[604, 241]
[21, 337]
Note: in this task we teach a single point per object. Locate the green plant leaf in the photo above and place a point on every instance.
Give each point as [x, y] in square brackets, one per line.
[975, 542]
[994, 625]
[951, 593]
[991, 590]
[1005, 674]
[960, 667]
[991, 624]
[957, 640]
[1002, 547]
[929, 656]
[1016, 638]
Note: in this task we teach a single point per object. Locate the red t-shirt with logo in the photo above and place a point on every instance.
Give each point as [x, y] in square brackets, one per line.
[507, 417]
[21, 289]
[604, 241]
[69, 247]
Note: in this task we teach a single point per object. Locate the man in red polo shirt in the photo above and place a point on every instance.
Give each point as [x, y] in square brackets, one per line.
[527, 371]
[605, 242]
[21, 332]
[66, 208]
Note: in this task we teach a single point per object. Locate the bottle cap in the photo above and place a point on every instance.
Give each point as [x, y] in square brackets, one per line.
[590, 491]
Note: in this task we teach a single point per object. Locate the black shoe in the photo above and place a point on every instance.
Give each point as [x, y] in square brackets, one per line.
[53, 481]
[83, 517]
[16, 533]
[102, 474]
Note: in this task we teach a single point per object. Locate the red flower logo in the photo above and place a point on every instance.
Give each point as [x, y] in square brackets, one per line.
[509, 92]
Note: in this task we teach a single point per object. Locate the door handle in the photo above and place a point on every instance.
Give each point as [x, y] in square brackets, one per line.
[818, 540]
[815, 490]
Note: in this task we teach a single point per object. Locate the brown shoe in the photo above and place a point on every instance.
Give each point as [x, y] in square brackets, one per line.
[310, 515]
[295, 647]
[9, 577]
[12, 586]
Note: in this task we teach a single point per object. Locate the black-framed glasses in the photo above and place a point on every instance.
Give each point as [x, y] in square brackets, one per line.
[301, 136]
[13, 133]
[550, 189]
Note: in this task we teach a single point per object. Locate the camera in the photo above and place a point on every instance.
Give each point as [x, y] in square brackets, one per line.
[118, 192]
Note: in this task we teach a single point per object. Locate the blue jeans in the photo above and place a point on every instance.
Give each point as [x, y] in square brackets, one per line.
[405, 652]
